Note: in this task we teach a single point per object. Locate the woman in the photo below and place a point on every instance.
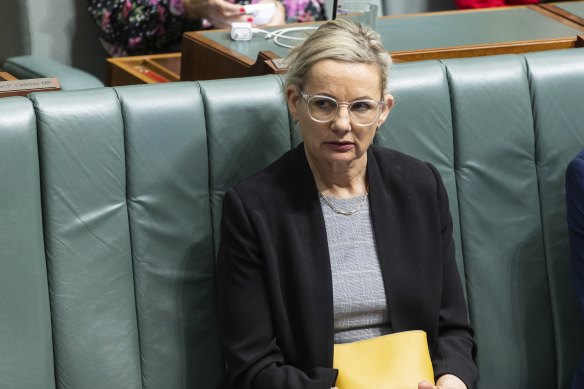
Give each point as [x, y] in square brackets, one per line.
[338, 240]
[131, 27]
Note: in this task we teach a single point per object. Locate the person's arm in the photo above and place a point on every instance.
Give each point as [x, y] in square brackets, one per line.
[575, 218]
[222, 13]
[447, 381]
[280, 16]
[253, 358]
[456, 350]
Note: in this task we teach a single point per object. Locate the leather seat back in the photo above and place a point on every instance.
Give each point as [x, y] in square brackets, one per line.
[111, 203]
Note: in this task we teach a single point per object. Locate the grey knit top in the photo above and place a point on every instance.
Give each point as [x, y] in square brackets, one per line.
[360, 306]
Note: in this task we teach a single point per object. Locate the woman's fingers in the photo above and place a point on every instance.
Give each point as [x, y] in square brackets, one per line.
[279, 15]
[222, 13]
[425, 385]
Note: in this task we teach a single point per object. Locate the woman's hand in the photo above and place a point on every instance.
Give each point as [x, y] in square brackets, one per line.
[219, 12]
[279, 16]
[447, 381]
[222, 13]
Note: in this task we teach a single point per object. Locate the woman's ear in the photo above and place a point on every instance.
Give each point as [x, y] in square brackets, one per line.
[292, 98]
[385, 110]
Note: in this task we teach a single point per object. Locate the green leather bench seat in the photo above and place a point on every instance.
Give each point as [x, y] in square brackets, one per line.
[111, 200]
[87, 238]
[35, 66]
[26, 359]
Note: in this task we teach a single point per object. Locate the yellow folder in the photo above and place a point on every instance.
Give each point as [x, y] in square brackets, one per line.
[395, 361]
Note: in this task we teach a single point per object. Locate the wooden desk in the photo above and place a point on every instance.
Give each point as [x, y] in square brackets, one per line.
[5, 76]
[145, 69]
[453, 34]
[573, 11]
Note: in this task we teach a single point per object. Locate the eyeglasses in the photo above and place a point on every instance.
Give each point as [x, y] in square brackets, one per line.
[324, 109]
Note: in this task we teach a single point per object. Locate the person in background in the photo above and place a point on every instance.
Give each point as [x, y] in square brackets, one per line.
[339, 240]
[575, 218]
[135, 27]
[465, 4]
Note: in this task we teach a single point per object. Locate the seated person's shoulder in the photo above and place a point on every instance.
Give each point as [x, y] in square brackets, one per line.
[579, 158]
[576, 166]
[275, 178]
[391, 161]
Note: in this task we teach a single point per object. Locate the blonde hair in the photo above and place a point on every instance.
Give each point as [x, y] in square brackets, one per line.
[340, 40]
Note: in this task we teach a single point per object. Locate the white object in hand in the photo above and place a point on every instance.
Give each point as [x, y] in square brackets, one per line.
[262, 12]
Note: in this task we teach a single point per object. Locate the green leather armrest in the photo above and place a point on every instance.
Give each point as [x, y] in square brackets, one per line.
[29, 66]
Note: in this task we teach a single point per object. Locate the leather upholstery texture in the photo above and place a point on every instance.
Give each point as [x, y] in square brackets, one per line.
[26, 359]
[111, 200]
[62, 30]
[87, 238]
[498, 198]
[30, 66]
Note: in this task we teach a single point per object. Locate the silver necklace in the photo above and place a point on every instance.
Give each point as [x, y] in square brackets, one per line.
[340, 211]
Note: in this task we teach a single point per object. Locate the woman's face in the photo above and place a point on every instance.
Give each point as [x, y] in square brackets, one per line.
[340, 141]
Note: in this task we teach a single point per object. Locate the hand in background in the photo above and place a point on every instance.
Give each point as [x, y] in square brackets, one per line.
[278, 18]
[219, 12]
[447, 381]
[222, 13]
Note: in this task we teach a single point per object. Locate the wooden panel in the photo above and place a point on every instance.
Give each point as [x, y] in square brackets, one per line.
[144, 69]
[206, 59]
[483, 50]
[5, 76]
[211, 55]
[562, 13]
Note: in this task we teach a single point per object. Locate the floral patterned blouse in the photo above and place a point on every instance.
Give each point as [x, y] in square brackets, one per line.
[134, 27]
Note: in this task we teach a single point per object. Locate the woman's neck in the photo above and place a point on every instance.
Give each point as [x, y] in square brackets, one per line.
[339, 179]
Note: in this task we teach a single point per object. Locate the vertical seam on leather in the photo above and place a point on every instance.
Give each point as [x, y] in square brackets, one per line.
[541, 219]
[204, 100]
[455, 166]
[43, 219]
[291, 127]
[138, 332]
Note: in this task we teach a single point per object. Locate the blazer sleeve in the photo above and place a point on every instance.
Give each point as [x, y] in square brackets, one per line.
[253, 357]
[575, 218]
[456, 350]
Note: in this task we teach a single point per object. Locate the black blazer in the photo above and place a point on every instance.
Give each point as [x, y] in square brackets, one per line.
[274, 273]
[575, 217]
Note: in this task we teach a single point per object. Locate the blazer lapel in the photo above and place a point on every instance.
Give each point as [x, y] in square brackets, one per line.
[316, 261]
[384, 210]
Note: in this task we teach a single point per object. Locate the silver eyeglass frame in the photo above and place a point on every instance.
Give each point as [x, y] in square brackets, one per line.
[348, 104]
